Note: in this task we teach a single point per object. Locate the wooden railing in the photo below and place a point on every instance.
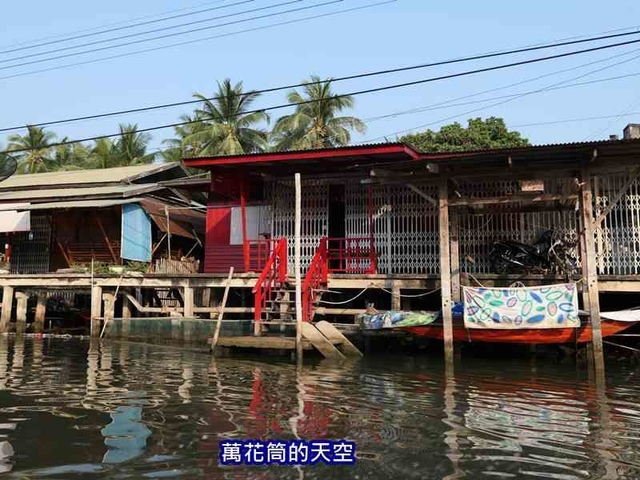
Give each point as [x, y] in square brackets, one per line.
[316, 278]
[351, 255]
[273, 273]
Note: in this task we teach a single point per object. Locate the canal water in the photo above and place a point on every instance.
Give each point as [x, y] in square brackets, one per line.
[71, 409]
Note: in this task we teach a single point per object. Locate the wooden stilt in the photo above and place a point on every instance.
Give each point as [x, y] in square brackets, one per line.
[296, 258]
[455, 256]
[109, 300]
[396, 303]
[126, 315]
[41, 311]
[96, 310]
[445, 272]
[187, 296]
[590, 272]
[7, 306]
[216, 335]
[21, 312]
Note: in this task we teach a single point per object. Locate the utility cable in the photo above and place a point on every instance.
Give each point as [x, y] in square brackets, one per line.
[368, 91]
[286, 87]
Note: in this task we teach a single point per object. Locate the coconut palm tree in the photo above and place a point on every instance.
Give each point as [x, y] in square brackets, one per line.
[315, 123]
[34, 150]
[183, 145]
[131, 147]
[229, 126]
[70, 156]
[102, 154]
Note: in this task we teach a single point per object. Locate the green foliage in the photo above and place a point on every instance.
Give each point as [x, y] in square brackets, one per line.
[479, 134]
[315, 122]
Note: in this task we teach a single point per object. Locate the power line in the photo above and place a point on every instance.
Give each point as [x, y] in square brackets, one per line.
[364, 91]
[337, 79]
[450, 103]
[116, 29]
[188, 42]
[573, 120]
[160, 37]
[114, 24]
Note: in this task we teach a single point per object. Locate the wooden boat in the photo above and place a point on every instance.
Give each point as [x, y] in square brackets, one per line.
[525, 335]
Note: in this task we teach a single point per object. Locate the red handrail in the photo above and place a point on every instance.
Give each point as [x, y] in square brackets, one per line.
[352, 255]
[273, 273]
[317, 276]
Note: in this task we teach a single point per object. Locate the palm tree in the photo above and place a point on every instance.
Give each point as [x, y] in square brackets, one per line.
[183, 145]
[74, 156]
[315, 123]
[103, 154]
[34, 150]
[228, 124]
[131, 147]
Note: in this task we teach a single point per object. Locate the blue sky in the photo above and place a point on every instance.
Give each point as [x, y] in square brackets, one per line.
[401, 33]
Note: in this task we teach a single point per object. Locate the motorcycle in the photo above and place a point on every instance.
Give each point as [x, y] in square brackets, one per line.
[552, 252]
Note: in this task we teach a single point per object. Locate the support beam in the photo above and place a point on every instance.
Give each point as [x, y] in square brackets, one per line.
[21, 311]
[396, 304]
[126, 315]
[633, 176]
[96, 310]
[243, 211]
[41, 311]
[465, 202]
[455, 256]
[187, 297]
[106, 240]
[7, 306]
[415, 189]
[445, 272]
[589, 270]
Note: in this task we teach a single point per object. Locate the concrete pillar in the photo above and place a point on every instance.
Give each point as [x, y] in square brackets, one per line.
[96, 310]
[21, 311]
[7, 306]
[41, 310]
[445, 272]
[188, 298]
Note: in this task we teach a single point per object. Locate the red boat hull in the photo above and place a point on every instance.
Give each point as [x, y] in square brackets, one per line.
[528, 335]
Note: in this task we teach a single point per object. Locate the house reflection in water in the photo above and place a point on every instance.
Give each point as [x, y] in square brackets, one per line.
[126, 435]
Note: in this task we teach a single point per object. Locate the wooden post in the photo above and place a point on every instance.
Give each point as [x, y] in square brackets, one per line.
[166, 214]
[445, 272]
[21, 311]
[246, 252]
[216, 335]
[109, 308]
[455, 256]
[590, 271]
[396, 304]
[187, 297]
[296, 261]
[96, 310]
[41, 311]
[126, 315]
[7, 306]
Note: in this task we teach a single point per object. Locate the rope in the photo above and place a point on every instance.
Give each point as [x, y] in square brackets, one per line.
[475, 279]
[410, 296]
[345, 302]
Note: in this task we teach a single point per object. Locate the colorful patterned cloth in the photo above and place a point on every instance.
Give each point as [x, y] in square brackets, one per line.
[549, 306]
[392, 319]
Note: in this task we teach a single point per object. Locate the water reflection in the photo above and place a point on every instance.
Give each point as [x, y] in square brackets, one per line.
[75, 409]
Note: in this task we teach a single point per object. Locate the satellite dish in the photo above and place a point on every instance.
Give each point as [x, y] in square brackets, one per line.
[8, 166]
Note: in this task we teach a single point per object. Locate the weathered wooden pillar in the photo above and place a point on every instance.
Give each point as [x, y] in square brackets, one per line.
[590, 270]
[396, 304]
[7, 306]
[109, 300]
[96, 310]
[126, 314]
[41, 311]
[21, 311]
[187, 296]
[445, 271]
[455, 256]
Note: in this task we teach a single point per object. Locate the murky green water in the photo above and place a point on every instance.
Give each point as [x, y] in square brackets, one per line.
[71, 410]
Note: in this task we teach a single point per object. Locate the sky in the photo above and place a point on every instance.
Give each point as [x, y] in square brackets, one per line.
[395, 34]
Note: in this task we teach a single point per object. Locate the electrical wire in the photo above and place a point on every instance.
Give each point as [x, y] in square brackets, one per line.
[338, 79]
[197, 40]
[116, 29]
[167, 35]
[369, 90]
[115, 24]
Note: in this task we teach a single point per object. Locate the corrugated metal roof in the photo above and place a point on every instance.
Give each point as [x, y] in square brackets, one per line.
[121, 191]
[100, 175]
[72, 204]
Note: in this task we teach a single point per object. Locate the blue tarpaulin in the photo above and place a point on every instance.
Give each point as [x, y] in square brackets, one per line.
[136, 233]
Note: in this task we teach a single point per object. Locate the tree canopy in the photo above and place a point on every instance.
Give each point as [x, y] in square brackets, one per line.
[491, 133]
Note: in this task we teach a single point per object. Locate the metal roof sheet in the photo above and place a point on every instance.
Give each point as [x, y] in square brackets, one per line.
[72, 204]
[76, 177]
[122, 191]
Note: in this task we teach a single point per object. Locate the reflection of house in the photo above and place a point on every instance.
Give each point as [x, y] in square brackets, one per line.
[58, 220]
